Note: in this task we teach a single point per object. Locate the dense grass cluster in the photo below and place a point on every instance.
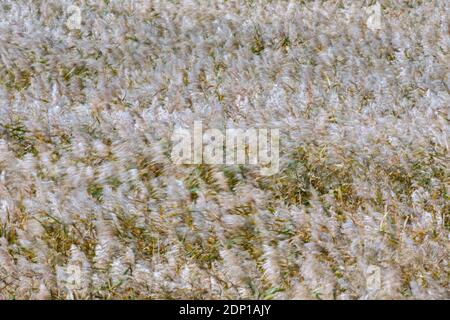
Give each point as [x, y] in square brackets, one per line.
[91, 205]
